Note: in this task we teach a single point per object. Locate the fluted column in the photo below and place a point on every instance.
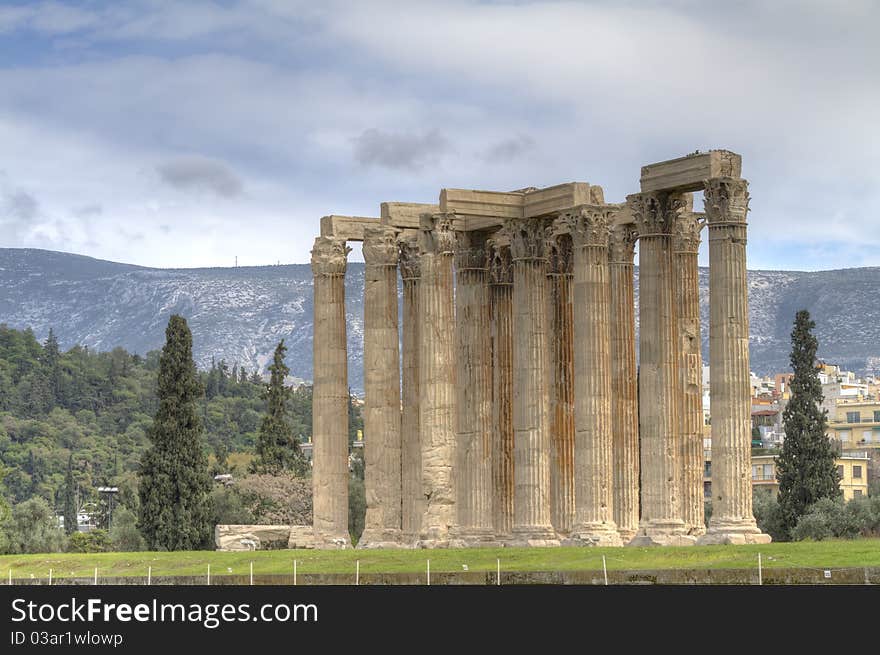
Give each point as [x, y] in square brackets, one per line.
[437, 380]
[685, 247]
[501, 296]
[531, 380]
[562, 464]
[660, 522]
[594, 512]
[330, 397]
[474, 385]
[381, 391]
[726, 204]
[624, 393]
[412, 501]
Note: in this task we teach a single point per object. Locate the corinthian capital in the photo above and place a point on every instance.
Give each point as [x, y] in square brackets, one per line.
[329, 256]
[527, 238]
[726, 200]
[437, 235]
[622, 243]
[686, 232]
[654, 213]
[500, 262]
[470, 251]
[559, 254]
[380, 246]
[409, 259]
[588, 225]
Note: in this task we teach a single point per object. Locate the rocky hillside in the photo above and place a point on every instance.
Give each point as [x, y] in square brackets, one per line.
[239, 314]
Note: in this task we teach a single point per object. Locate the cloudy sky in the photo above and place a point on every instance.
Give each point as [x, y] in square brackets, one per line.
[185, 134]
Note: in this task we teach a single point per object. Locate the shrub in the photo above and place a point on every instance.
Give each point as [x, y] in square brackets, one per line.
[32, 528]
[124, 535]
[95, 541]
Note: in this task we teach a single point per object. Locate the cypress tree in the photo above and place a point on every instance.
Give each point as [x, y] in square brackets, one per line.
[806, 468]
[69, 498]
[277, 448]
[174, 484]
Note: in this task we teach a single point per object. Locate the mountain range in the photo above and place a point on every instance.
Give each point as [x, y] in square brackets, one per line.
[239, 314]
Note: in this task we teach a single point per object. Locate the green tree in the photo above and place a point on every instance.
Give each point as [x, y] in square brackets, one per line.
[277, 448]
[806, 468]
[69, 498]
[33, 528]
[174, 484]
[124, 535]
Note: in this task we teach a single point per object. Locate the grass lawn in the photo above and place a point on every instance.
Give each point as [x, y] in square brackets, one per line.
[823, 554]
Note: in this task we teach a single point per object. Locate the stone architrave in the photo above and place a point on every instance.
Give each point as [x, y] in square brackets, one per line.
[412, 501]
[562, 460]
[726, 201]
[594, 497]
[382, 409]
[685, 248]
[624, 392]
[330, 398]
[501, 297]
[437, 380]
[474, 386]
[660, 522]
[531, 381]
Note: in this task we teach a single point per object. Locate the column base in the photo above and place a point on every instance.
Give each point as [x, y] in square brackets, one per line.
[533, 537]
[434, 538]
[594, 534]
[662, 533]
[332, 542]
[733, 531]
[374, 538]
[474, 538]
[626, 534]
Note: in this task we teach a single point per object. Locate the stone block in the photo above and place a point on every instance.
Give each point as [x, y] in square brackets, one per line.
[350, 228]
[251, 537]
[688, 173]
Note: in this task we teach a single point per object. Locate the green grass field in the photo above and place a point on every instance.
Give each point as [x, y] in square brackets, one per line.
[824, 554]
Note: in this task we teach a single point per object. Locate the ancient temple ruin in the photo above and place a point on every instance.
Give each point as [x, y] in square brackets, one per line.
[516, 412]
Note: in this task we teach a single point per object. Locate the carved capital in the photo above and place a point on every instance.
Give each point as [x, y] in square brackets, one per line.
[470, 251]
[726, 200]
[654, 213]
[527, 239]
[380, 246]
[686, 232]
[500, 260]
[559, 254]
[622, 243]
[410, 259]
[437, 235]
[588, 225]
[329, 256]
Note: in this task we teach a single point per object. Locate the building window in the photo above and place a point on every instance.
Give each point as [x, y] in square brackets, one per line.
[853, 417]
[754, 471]
[844, 435]
[867, 436]
[840, 471]
[857, 493]
[768, 471]
[707, 469]
[857, 472]
[877, 416]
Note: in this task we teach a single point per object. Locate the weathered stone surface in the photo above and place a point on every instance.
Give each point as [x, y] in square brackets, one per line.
[624, 393]
[413, 500]
[330, 395]
[727, 203]
[253, 537]
[531, 381]
[382, 449]
[346, 228]
[660, 522]
[685, 246]
[690, 172]
[437, 380]
[594, 514]
[474, 400]
[301, 536]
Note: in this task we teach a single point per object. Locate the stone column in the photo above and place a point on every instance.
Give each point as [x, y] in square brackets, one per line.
[594, 514]
[501, 296]
[624, 392]
[726, 204]
[531, 381]
[330, 397]
[381, 391]
[474, 400]
[413, 500]
[437, 380]
[562, 464]
[685, 247]
[660, 522]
